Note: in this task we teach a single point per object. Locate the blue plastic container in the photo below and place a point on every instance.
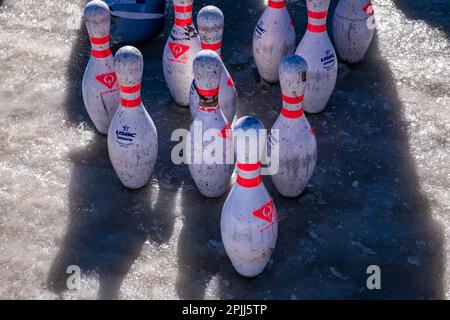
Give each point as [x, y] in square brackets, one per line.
[136, 21]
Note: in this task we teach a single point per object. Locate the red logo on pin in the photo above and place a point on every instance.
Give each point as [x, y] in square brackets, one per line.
[230, 82]
[226, 132]
[368, 9]
[107, 79]
[178, 49]
[312, 132]
[265, 212]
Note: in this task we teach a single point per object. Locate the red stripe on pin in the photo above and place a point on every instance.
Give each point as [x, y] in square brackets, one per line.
[101, 53]
[249, 166]
[208, 92]
[208, 109]
[277, 4]
[132, 89]
[183, 22]
[292, 114]
[317, 29]
[211, 46]
[99, 41]
[292, 100]
[182, 9]
[248, 183]
[130, 103]
[317, 15]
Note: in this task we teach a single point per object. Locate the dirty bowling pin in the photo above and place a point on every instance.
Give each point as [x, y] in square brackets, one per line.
[210, 23]
[273, 39]
[181, 47]
[99, 86]
[317, 50]
[296, 140]
[249, 218]
[210, 156]
[132, 138]
[353, 29]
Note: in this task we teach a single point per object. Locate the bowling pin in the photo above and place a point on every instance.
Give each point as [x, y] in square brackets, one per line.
[317, 50]
[296, 140]
[249, 217]
[353, 28]
[273, 39]
[132, 138]
[210, 23]
[208, 156]
[181, 47]
[99, 86]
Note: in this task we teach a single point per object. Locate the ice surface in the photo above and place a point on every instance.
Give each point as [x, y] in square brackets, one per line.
[380, 193]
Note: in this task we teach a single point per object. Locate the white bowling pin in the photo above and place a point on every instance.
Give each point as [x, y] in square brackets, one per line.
[132, 138]
[181, 47]
[99, 86]
[210, 23]
[249, 218]
[208, 165]
[296, 141]
[273, 39]
[316, 48]
[353, 28]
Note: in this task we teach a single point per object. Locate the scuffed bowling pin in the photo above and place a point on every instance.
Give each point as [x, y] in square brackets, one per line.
[316, 48]
[132, 138]
[210, 23]
[296, 140]
[210, 134]
[353, 28]
[273, 39]
[99, 86]
[249, 218]
[181, 47]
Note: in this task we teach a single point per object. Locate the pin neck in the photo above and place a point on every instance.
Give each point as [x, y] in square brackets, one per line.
[100, 47]
[217, 47]
[209, 99]
[249, 175]
[183, 15]
[277, 4]
[130, 96]
[317, 21]
[292, 107]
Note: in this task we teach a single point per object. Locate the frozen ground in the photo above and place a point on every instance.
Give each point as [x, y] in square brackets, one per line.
[380, 193]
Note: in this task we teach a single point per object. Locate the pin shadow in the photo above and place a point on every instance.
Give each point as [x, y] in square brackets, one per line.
[79, 57]
[432, 12]
[108, 224]
[363, 206]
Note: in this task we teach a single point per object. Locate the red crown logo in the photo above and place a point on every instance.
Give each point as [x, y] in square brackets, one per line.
[178, 49]
[107, 79]
[266, 212]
